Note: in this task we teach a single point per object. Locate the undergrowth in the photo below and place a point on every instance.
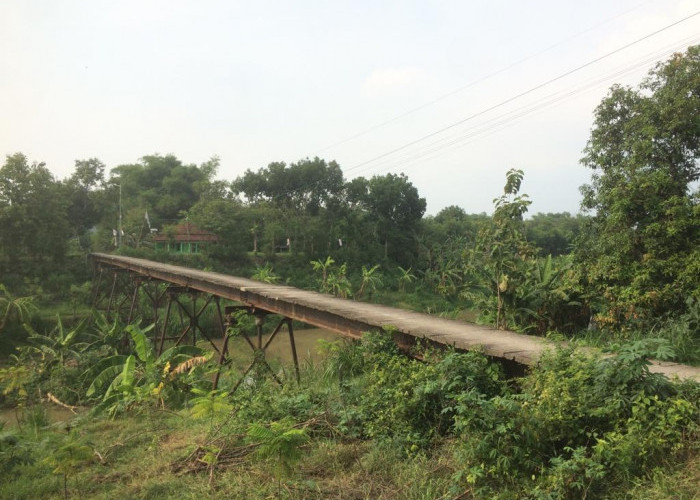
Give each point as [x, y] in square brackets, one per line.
[366, 422]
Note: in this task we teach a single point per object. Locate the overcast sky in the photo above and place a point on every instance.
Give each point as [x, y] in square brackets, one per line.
[360, 82]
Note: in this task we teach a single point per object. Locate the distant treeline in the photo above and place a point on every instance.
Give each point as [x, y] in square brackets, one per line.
[634, 259]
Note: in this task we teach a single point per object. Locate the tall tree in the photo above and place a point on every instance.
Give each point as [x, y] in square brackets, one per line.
[554, 233]
[305, 186]
[163, 185]
[33, 222]
[85, 193]
[396, 206]
[293, 199]
[640, 252]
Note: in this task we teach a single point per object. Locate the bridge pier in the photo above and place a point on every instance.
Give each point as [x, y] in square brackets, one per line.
[260, 350]
[128, 284]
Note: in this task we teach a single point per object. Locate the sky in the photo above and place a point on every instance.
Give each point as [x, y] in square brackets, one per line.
[451, 93]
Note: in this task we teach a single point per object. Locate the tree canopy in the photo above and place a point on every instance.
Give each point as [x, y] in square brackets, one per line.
[33, 223]
[640, 250]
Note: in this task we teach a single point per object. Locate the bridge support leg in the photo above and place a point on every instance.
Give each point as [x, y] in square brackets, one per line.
[134, 298]
[164, 330]
[260, 350]
[96, 287]
[155, 297]
[191, 326]
[111, 297]
[294, 348]
[224, 347]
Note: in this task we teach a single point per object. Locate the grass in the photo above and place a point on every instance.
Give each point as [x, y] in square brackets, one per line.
[138, 453]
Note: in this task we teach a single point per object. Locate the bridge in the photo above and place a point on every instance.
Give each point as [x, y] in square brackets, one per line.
[346, 317]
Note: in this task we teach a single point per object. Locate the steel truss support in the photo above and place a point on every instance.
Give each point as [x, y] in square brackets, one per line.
[259, 350]
[192, 326]
[114, 302]
[126, 285]
[156, 296]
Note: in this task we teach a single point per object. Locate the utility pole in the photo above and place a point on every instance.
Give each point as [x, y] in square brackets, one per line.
[120, 231]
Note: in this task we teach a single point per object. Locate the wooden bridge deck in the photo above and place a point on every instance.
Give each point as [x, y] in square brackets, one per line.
[351, 318]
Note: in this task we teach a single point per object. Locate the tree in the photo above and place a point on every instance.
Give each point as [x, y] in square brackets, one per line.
[499, 263]
[554, 234]
[33, 222]
[302, 187]
[229, 221]
[291, 200]
[393, 202]
[85, 193]
[163, 185]
[640, 251]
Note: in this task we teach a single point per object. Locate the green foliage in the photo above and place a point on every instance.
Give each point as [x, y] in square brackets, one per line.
[413, 403]
[14, 380]
[210, 405]
[279, 441]
[406, 278]
[639, 252]
[682, 332]
[125, 382]
[371, 281]
[393, 202]
[14, 451]
[580, 426]
[228, 220]
[31, 204]
[506, 281]
[323, 266]
[554, 234]
[334, 279]
[14, 309]
[496, 268]
[70, 453]
[58, 346]
[265, 274]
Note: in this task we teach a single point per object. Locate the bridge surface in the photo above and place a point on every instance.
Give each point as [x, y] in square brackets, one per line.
[352, 318]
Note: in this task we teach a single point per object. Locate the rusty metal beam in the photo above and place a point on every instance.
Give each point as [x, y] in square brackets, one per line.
[352, 318]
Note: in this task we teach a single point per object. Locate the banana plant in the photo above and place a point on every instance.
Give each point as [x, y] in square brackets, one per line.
[324, 267]
[124, 381]
[11, 307]
[108, 333]
[59, 345]
[371, 281]
[265, 274]
[406, 278]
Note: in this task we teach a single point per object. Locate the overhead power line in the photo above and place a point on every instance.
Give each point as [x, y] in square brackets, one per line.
[504, 120]
[522, 94]
[478, 80]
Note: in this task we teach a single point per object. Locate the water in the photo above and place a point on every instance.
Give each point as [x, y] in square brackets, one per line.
[306, 341]
[53, 415]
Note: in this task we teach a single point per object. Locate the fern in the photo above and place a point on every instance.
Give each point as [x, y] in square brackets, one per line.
[278, 441]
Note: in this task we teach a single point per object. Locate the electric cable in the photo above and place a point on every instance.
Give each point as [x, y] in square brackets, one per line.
[522, 94]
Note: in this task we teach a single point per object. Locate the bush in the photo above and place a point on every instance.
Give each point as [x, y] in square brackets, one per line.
[581, 425]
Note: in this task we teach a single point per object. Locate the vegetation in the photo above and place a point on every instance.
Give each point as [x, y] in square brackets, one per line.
[366, 421]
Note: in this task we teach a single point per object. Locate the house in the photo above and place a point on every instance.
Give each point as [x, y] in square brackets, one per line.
[184, 238]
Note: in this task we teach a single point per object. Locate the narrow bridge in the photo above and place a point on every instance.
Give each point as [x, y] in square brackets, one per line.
[345, 317]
